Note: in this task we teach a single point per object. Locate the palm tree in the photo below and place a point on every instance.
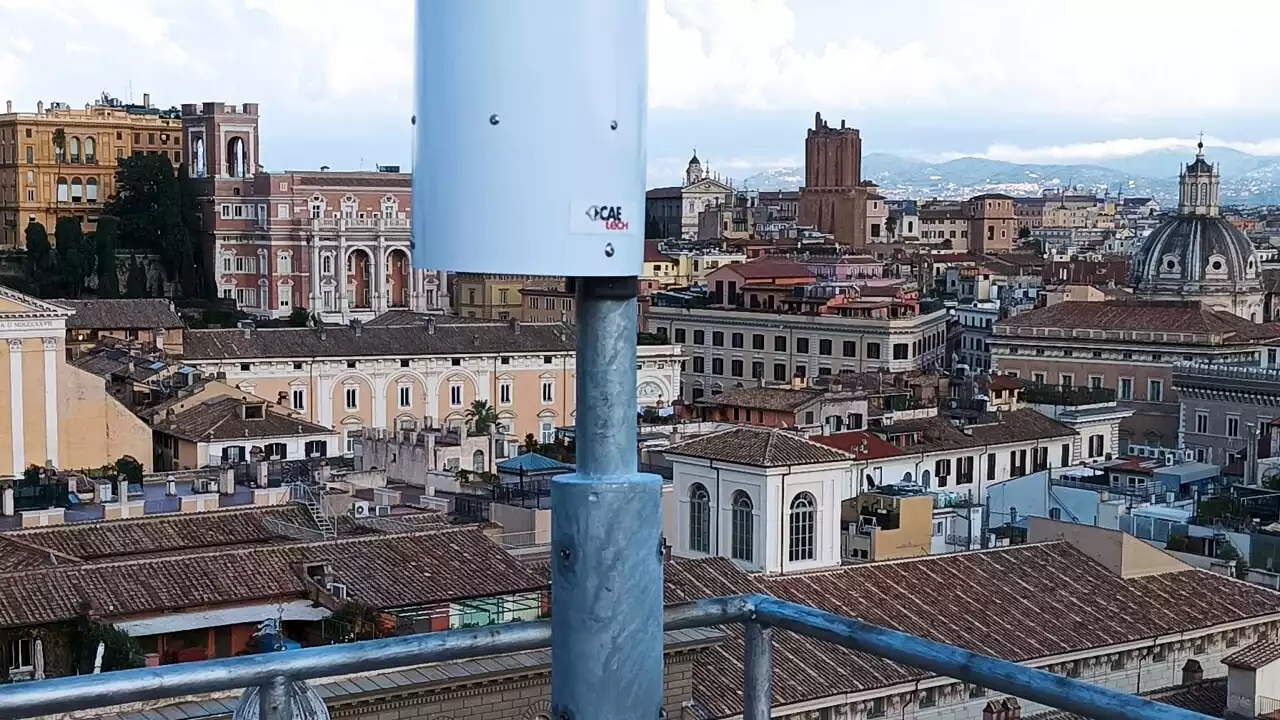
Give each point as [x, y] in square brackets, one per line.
[482, 417]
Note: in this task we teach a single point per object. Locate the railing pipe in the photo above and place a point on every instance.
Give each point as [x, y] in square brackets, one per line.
[606, 530]
[1091, 701]
[757, 689]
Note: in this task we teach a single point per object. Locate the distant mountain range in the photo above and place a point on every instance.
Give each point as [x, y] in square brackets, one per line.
[1246, 179]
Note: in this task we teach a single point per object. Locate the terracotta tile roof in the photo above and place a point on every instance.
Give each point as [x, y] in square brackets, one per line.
[1018, 603]
[223, 418]
[652, 253]
[769, 267]
[447, 338]
[1258, 655]
[860, 444]
[109, 539]
[384, 571]
[759, 447]
[1004, 382]
[356, 179]
[121, 314]
[1207, 697]
[765, 398]
[1142, 315]
[936, 433]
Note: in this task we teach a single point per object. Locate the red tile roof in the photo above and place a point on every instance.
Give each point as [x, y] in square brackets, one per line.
[384, 571]
[860, 444]
[1019, 603]
[758, 447]
[652, 254]
[1255, 657]
[768, 268]
[1159, 316]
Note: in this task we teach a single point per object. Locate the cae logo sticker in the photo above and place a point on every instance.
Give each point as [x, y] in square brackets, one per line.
[609, 215]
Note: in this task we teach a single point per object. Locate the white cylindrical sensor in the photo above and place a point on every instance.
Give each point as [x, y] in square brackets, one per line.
[530, 123]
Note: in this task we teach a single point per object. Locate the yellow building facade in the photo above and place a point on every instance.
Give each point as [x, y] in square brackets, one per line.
[41, 180]
[495, 297]
[50, 411]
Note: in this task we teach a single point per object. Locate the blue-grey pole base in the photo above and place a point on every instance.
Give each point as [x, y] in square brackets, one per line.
[606, 531]
[757, 690]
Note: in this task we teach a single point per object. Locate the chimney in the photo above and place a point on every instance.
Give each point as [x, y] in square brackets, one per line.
[1006, 709]
[1192, 672]
[170, 487]
[357, 326]
[431, 326]
[146, 100]
[122, 491]
[227, 480]
[158, 334]
[248, 332]
[8, 107]
[515, 325]
[39, 107]
[6, 502]
[262, 475]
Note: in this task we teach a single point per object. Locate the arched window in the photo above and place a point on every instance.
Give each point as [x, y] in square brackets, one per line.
[906, 478]
[90, 151]
[73, 145]
[924, 478]
[197, 156]
[743, 541]
[326, 264]
[77, 189]
[91, 190]
[699, 519]
[235, 157]
[477, 461]
[802, 528]
[63, 191]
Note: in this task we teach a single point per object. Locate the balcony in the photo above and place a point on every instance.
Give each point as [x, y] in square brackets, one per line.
[761, 615]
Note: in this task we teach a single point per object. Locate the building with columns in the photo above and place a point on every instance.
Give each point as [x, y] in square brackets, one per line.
[419, 372]
[335, 243]
[52, 412]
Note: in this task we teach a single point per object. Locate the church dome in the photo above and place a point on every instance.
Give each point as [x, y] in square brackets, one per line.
[1196, 253]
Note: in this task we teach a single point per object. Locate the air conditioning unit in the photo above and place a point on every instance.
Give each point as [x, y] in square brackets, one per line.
[382, 510]
[361, 509]
[337, 590]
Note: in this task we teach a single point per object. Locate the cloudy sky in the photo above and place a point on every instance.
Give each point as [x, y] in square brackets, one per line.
[1021, 80]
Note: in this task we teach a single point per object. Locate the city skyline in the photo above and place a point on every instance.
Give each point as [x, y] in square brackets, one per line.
[737, 79]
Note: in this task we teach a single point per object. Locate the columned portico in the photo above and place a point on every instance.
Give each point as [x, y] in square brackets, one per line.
[31, 333]
[51, 400]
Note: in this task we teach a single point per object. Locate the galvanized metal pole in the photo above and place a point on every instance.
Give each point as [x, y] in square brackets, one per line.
[606, 531]
[274, 702]
[757, 692]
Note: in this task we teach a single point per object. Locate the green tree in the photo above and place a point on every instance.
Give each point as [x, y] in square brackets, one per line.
[148, 207]
[652, 229]
[891, 225]
[75, 256]
[135, 283]
[481, 416]
[530, 443]
[299, 317]
[130, 469]
[1024, 232]
[41, 263]
[105, 239]
[201, 278]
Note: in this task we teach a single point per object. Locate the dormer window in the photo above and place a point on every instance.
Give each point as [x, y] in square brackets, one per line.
[255, 412]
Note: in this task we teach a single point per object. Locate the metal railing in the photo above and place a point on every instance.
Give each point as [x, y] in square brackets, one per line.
[272, 672]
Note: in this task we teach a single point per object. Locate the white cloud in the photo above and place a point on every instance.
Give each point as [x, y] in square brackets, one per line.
[1111, 149]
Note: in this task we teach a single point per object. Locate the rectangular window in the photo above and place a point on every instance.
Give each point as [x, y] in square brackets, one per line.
[873, 351]
[717, 366]
[1067, 380]
[1233, 426]
[699, 337]
[284, 264]
[504, 393]
[1202, 422]
[680, 335]
[735, 368]
[699, 364]
[455, 395]
[1095, 382]
[1037, 378]
[20, 653]
[849, 349]
[405, 396]
[717, 338]
[547, 432]
[352, 398]
[282, 211]
[901, 351]
[779, 343]
[1125, 391]
[548, 391]
[757, 341]
[824, 347]
[757, 370]
[780, 372]
[736, 340]
[802, 346]
[1155, 391]
[299, 399]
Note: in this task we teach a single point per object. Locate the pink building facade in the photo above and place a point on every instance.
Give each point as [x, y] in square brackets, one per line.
[335, 243]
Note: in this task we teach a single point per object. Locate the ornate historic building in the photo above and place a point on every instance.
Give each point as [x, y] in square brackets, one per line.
[1198, 254]
[833, 198]
[336, 243]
